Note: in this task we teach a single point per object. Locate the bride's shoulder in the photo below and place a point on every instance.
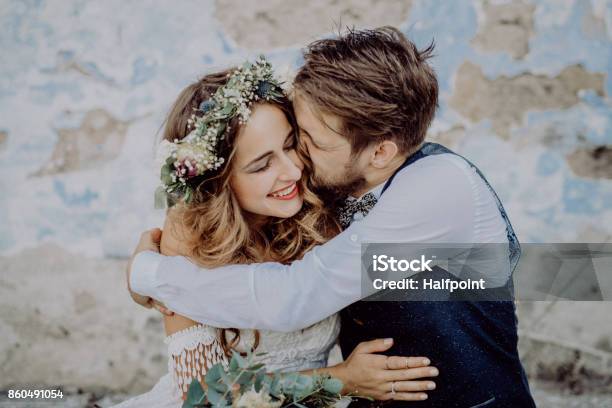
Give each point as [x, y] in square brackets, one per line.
[176, 323]
[191, 336]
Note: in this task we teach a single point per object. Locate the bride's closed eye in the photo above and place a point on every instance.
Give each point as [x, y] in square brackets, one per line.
[290, 144]
[264, 168]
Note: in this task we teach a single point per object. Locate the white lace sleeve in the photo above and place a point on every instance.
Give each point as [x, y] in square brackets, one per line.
[191, 352]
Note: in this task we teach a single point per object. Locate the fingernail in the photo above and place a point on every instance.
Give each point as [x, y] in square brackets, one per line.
[388, 341]
[433, 371]
[431, 386]
[424, 396]
[426, 361]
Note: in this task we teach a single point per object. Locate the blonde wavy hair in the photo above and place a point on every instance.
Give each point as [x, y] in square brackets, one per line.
[214, 229]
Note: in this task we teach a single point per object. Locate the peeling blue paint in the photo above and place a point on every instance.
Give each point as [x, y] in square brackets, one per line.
[71, 199]
[140, 58]
[43, 94]
[580, 196]
[548, 164]
[144, 70]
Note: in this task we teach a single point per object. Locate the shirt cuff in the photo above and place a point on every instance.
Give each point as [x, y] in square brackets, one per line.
[143, 276]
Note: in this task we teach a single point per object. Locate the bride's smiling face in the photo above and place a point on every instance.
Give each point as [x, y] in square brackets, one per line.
[266, 171]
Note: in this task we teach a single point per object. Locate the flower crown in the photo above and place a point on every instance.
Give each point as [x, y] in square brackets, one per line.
[194, 155]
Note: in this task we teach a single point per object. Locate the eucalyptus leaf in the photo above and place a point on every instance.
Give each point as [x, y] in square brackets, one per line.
[333, 385]
[305, 381]
[214, 397]
[221, 130]
[195, 393]
[244, 377]
[166, 174]
[256, 367]
[227, 109]
[214, 373]
[259, 381]
[297, 390]
[203, 127]
[233, 365]
[242, 363]
[161, 198]
[188, 195]
[226, 379]
[276, 387]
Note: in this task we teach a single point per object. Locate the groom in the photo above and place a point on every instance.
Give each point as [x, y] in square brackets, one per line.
[364, 102]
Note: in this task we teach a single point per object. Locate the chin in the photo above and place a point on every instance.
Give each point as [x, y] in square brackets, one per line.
[287, 210]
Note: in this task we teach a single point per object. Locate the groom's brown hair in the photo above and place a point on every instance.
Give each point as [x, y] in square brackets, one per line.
[376, 81]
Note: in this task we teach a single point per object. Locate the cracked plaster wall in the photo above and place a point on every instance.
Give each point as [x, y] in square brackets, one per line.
[525, 93]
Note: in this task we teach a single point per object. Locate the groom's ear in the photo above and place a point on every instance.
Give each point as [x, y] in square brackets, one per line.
[383, 154]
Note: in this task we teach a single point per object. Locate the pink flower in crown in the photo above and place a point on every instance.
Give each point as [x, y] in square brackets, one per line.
[186, 168]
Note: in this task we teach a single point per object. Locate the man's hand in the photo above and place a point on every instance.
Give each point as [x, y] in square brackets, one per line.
[149, 241]
[369, 374]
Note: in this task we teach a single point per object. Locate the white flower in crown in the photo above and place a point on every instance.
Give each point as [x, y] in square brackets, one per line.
[285, 75]
[164, 150]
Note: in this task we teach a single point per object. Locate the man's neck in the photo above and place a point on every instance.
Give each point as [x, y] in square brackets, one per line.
[379, 176]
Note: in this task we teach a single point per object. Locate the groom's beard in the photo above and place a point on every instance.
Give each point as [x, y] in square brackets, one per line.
[336, 189]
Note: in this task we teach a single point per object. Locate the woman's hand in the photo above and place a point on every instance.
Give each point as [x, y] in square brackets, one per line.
[149, 241]
[381, 377]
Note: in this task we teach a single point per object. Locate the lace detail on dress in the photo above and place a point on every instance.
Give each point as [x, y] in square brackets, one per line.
[191, 352]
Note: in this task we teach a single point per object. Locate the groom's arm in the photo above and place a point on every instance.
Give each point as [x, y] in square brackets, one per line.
[290, 297]
[269, 295]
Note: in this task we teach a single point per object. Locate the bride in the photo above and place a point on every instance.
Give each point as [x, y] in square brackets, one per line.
[238, 191]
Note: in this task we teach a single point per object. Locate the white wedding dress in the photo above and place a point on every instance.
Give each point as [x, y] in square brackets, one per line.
[191, 352]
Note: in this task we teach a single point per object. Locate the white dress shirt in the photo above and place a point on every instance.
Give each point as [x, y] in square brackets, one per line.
[439, 198]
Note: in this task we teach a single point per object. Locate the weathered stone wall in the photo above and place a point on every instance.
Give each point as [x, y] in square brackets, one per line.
[84, 87]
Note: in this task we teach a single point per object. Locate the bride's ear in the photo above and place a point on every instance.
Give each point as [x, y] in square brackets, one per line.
[383, 154]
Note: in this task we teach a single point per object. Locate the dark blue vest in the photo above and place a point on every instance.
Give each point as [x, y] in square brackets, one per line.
[473, 343]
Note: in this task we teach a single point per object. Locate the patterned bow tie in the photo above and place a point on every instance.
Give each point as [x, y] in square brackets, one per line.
[351, 206]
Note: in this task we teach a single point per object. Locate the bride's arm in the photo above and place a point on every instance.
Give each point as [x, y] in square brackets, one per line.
[193, 348]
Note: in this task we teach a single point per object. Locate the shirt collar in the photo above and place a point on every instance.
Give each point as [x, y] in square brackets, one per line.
[377, 191]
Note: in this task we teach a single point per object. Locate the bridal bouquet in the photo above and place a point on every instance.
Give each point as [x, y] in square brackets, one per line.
[244, 384]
